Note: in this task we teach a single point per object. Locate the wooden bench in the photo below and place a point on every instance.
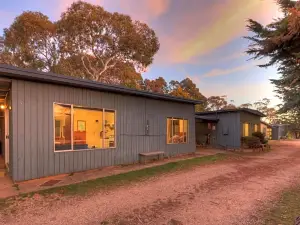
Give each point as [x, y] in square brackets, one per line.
[146, 155]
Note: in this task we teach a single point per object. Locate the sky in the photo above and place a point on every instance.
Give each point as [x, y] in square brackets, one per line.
[199, 39]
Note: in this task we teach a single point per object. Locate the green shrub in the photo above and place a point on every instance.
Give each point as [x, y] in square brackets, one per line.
[260, 135]
[252, 142]
[289, 135]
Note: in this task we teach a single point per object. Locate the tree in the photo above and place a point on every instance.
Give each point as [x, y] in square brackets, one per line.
[264, 107]
[158, 85]
[229, 106]
[216, 103]
[31, 42]
[86, 42]
[246, 105]
[188, 89]
[1, 44]
[123, 74]
[293, 119]
[279, 42]
[109, 38]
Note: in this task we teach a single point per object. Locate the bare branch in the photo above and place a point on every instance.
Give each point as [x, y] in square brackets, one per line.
[85, 67]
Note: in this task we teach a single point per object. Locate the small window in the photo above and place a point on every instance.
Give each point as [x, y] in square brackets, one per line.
[109, 129]
[213, 127]
[177, 131]
[255, 127]
[245, 129]
[209, 126]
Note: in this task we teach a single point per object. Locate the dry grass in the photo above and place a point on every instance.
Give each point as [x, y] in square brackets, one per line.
[286, 209]
[91, 186]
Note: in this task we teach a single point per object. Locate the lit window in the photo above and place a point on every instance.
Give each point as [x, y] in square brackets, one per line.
[62, 118]
[109, 129]
[88, 128]
[91, 128]
[209, 126]
[255, 127]
[245, 129]
[177, 131]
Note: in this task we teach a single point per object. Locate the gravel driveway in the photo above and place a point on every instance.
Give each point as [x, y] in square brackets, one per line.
[231, 192]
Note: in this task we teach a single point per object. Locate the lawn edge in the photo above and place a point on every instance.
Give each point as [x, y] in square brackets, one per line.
[117, 180]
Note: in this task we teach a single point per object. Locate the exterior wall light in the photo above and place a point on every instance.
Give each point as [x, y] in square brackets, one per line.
[2, 106]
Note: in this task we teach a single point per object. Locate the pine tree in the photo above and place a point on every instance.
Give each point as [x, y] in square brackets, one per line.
[279, 42]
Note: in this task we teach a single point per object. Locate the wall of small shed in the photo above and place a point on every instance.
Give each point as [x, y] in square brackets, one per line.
[202, 131]
[251, 119]
[228, 130]
[279, 131]
[32, 129]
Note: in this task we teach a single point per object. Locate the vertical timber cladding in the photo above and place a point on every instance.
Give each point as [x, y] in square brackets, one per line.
[32, 118]
[228, 130]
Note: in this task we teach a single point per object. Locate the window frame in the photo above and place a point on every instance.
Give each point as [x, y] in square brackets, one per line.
[72, 126]
[187, 131]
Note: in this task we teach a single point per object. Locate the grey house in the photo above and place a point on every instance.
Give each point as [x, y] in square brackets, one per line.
[224, 128]
[279, 131]
[56, 124]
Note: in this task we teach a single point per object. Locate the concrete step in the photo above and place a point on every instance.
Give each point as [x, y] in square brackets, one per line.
[2, 172]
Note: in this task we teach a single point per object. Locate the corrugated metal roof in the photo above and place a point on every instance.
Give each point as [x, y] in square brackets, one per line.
[252, 111]
[207, 118]
[37, 76]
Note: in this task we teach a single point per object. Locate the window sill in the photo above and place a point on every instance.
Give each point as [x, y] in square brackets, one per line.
[84, 150]
[178, 143]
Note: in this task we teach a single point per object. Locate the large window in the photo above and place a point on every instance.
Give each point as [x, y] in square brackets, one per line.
[79, 128]
[177, 131]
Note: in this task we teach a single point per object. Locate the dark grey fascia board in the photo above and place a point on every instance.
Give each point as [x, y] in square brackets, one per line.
[251, 111]
[207, 118]
[45, 77]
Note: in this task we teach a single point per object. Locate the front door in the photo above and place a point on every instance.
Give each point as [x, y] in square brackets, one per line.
[6, 136]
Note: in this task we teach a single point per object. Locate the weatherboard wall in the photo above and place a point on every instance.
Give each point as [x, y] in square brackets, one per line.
[32, 134]
[228, 130]
[227, 134]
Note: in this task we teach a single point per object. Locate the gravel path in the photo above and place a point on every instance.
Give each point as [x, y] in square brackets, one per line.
[233, 192]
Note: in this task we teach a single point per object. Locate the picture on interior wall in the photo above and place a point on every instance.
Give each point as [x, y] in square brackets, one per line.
[81, 125]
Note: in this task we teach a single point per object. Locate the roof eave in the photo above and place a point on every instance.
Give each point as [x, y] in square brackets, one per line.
[37, 76]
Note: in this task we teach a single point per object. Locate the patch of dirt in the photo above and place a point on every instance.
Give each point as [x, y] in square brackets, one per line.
[234, 192]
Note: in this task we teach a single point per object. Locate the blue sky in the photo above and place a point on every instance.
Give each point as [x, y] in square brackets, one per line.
[199, 39]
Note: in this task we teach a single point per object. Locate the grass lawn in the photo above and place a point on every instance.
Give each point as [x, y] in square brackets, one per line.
[286, 209]
[132, 176]
[91, 186]
[88, 187]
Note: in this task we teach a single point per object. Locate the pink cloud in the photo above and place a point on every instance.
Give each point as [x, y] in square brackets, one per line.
[145, 10]
[244, 93]
[188, 31]
[222, 72]
[201, 32]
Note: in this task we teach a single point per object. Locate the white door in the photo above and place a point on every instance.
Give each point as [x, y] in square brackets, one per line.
[6, 118]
